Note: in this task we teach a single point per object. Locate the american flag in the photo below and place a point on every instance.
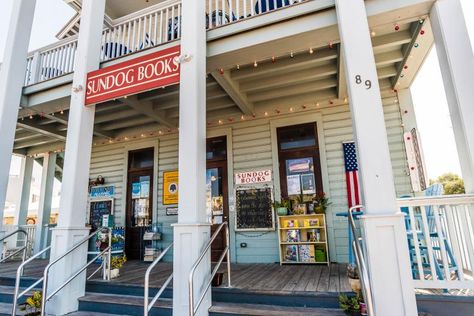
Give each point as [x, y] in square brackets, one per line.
[352, 176]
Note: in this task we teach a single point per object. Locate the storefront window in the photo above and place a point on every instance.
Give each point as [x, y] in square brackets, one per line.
[300, 171]
[141, 202]
[216, 149]
[215, 199]
[298, 136]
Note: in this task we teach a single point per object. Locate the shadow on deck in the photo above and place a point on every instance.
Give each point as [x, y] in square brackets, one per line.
[254, 277]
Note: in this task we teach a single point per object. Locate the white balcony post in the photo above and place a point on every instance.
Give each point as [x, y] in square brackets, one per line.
[192, 230]
[45, 199]
[74, 191]
[21, 212]
[457, 68]
[35, 68]
[12, 77]
[382, 226]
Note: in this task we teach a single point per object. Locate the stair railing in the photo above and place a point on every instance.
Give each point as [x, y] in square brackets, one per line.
[106, 261]
[360, 260]
[147, 306]
[193, 308]
[24, 248]
[19, 272]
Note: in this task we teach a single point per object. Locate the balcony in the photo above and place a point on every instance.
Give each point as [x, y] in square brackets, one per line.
[150, 27]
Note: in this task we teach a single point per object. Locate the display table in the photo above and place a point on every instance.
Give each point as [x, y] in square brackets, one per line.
[303, 239]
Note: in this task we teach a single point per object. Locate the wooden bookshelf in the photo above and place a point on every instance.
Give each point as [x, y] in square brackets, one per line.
[303, 239]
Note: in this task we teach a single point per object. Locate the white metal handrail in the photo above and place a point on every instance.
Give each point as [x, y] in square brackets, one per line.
[360, 259]
[19, 273]
[45, 297]
[440, 237]
[193, 308]
[24, 248]
[147, 306]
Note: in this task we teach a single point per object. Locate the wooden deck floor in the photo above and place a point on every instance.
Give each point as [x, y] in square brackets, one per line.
[252, 277]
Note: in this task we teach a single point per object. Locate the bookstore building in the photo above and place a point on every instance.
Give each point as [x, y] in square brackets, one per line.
[270, 120]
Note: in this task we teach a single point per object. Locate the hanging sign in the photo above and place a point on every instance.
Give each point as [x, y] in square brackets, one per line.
[144, 73]
[253, 177]
[170, 187]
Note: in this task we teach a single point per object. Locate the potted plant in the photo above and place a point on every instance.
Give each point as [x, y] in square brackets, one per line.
[349, 304]
[321, 203]
[32, 305]
[281, 207]
[353, 276]
[299, 208]
[115, 265]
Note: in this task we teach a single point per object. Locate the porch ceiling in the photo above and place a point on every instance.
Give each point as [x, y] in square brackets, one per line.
[293, 79]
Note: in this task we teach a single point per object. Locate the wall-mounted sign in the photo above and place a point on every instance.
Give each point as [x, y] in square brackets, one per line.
[107, 191]
[170, 187]
[171, 211]
[133, 76]
[253, 177]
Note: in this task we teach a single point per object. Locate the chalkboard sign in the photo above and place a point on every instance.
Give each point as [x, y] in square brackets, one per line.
[254, 209]
[97, 208]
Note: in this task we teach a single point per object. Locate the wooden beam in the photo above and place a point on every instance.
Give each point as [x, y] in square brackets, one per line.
[44, 130]
[341, 75]
[127, 123]
[407, 49]
[32, 143]
[389, 40]
[293, 77]
[63, 119]
[294, 89]
[233, 90]
[389, 58]
[146, 108]
[300, 61]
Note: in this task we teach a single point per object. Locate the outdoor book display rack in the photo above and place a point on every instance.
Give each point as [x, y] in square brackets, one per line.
[303, 239]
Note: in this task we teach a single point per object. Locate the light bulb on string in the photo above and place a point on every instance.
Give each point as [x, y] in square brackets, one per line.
[396, 27]
[266, 113]
[292, 55]
[221, 122]
[255, 64]
[62, 112]
[311, 51]
[273, 59]
[242, 117]
[31, 117]
[291, 109]
[238, 67]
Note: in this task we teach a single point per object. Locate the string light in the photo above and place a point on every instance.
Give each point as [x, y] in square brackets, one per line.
[311, 51]
[396, 27]
[373, 33]
[292, 55]
[62, 112]
[273, 59]
[31, 117]
[255, 64]
[238, 67]
[291, 109]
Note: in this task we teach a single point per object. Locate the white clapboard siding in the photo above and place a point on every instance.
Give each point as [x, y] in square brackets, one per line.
[252, 150]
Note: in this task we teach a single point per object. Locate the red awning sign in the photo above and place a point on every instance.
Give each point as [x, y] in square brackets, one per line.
[133, 76]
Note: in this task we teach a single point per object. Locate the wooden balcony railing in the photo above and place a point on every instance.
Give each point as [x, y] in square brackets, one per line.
[150, 27]
[440, 240]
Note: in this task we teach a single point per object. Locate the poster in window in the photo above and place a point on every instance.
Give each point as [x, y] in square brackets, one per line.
[170, 187]
[145, 188]
[294, 184]
[301, 165]
[136, 188]
[308, 185]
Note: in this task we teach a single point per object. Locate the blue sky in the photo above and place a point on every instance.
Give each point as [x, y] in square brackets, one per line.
[428, 92]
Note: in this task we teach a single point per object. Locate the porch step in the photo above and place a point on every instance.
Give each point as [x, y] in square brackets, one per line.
[232, 309]
[122, 305]
[6, 310]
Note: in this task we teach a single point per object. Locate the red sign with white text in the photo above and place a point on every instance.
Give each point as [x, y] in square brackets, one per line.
[133, 76]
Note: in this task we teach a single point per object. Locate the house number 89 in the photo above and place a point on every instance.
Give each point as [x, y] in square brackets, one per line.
[368, 83]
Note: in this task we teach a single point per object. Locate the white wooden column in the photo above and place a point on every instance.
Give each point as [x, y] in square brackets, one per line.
[382, 226]
[21, 213]
[12, 76]
[457, 68]
[192, 230]
[45, 199]
[73, 206]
